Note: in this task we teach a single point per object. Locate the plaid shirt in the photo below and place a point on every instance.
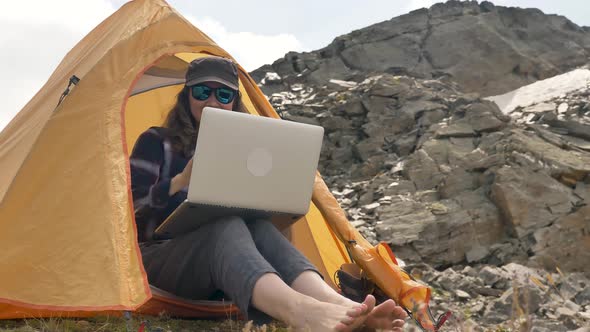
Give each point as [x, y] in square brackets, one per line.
[153, 164]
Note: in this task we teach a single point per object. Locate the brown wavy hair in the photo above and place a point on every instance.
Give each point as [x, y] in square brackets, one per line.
[183, 129]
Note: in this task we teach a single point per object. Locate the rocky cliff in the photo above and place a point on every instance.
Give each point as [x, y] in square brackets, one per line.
[484, 48]
[453, 184]
[486, 199]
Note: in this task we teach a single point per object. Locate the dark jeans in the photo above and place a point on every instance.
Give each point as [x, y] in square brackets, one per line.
[227, 255]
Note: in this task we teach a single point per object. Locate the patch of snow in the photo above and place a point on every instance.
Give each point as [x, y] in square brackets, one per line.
[563, 107]
[345, 84]
[297, 87]
[270, 77]
[529, 118]
[540, 108]
[544, 90]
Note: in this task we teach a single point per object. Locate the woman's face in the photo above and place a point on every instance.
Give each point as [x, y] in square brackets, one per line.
[198, 105]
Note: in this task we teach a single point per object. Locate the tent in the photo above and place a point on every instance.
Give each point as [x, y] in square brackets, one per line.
[67, 232]
[68, 240]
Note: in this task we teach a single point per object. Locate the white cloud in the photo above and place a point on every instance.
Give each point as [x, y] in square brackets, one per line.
[416, 4]
[36, 35]
[249, 49]
[34, 38]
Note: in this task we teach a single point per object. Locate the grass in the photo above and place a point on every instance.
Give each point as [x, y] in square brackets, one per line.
[461, 321]
[120, 324]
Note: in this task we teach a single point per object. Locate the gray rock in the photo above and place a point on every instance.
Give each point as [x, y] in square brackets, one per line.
[449, 279]
[488, 291]
[418, 107]
[405, 144]
[400, 187]
[403, 229]
[335, 123]
[539, 325]
[485, 117]
[490, 275]
[366, 149]
[568, 290]
[520, 274]
[354, 108]
[459, 129]
[501, 309]
[477, 308]
[456, 182]
[478, 160]
[511, 251]
[567, 237]
[431, 117]
[572, 306]
[581, 329]
[583, 191]
[585, 316]
[564, 312]
[462, 295]
[529, 201]
[583, 298]
[566, 166]
[422, 170]
[540, 108]
[302, 119]
[572, 128]
[369, 208]
[470, 271]
[476, 254]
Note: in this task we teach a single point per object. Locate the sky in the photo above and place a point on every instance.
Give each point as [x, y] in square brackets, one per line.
[271, 28]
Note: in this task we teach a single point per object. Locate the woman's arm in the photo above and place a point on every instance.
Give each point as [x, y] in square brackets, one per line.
[182, 179]
[146, 161]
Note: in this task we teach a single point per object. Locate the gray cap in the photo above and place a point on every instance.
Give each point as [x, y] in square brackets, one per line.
[212, 69]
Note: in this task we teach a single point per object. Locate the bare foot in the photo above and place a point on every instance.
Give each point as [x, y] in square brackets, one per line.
[359, 312]
[386, 316]
[313, 315]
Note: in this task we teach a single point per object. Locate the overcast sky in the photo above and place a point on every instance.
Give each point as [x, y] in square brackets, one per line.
[36, 35]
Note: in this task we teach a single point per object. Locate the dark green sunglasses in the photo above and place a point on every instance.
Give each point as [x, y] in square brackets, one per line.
[223, 94]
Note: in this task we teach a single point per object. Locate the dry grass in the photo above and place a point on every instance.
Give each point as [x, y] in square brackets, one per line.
[120, 324]
[521, 320]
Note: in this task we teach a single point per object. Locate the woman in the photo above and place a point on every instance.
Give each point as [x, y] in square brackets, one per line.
[251, 262]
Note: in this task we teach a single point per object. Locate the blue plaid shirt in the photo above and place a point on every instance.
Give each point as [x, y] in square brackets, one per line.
[153, 164]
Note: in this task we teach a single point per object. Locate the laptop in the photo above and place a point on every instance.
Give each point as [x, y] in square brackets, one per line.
[249, 166]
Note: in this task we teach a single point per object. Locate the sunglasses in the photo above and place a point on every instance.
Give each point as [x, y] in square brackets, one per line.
[224, 95]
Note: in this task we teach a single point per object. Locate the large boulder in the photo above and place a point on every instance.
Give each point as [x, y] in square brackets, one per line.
[530, 200]
[566, 243]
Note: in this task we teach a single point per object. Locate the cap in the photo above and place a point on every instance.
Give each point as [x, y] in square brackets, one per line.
[212, 69]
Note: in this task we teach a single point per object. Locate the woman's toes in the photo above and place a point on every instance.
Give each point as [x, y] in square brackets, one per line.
[398, 323]
[369, 302]
[400, 313]
[357, 310]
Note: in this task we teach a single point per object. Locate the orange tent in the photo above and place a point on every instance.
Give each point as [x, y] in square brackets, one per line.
[68, 240]
[67, 230]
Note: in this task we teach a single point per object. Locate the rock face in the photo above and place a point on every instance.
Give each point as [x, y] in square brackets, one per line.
[445, 177]
[489, 208]
[484, 48]
[449, 181]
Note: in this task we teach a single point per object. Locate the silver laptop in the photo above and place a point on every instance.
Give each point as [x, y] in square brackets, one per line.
[250, 166]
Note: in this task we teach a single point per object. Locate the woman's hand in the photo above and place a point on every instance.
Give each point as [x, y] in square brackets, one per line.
[182, 179]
